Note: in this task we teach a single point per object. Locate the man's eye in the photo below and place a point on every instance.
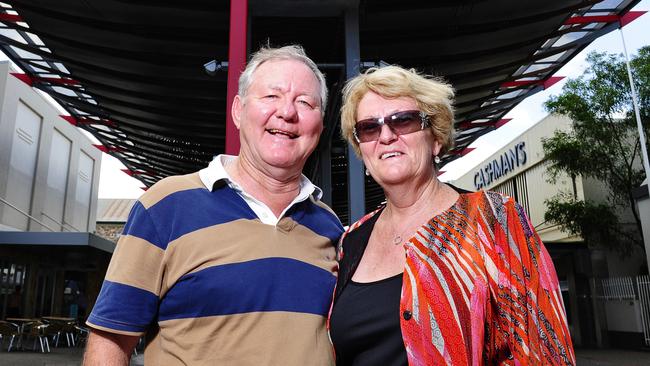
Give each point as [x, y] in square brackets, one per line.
[305, 103]
[270, 96]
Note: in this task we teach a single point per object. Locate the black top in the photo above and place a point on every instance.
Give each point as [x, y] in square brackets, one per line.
[354, 245]
[365, 325]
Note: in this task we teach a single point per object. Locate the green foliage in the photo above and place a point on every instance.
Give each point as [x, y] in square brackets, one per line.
[603, 143]
[567, 154]
[596, 223]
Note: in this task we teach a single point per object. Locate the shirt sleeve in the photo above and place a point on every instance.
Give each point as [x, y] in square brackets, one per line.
[128, 300]
[532, 324]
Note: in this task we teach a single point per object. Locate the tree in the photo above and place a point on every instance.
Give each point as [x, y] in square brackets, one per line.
[603, 144]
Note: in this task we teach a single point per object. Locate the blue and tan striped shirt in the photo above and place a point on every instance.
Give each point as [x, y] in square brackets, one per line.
[211, 284]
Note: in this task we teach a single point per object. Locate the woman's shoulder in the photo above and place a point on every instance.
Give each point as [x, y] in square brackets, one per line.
[495, 204]
[488, 199]
[363, 220]
[503, 208]
[353, 229]
[481, 196]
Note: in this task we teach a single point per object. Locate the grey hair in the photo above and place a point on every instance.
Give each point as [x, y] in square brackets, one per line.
[290, 52]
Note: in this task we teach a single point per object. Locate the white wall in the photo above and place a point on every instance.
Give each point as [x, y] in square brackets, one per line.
[57, 180]
[623, 316]
[22, 165]
[83, 193]
[48, 168]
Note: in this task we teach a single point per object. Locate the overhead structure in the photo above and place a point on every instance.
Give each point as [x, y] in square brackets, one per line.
[133, 74]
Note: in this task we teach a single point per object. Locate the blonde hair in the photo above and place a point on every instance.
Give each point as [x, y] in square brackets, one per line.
[433, 96]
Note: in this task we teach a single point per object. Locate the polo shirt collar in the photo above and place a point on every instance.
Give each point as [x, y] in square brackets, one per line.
[215, 175]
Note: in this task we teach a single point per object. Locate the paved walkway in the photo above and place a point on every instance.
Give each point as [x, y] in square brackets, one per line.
[612, 357]
[58, 357]
[72, 357]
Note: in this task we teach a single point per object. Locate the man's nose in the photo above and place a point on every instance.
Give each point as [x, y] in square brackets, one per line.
[287, 110]
[387, 135]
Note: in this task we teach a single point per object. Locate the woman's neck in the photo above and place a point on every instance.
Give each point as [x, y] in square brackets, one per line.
[431, 197]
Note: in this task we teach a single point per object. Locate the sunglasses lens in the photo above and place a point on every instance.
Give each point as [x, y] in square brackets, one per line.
[367, 130]
[401, 123]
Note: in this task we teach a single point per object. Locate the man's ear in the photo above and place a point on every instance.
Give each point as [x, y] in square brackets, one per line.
[236, 110]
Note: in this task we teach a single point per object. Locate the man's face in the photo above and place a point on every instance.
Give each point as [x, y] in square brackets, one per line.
[279, 120]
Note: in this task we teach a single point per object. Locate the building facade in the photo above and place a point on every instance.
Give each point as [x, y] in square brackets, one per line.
[49, 176]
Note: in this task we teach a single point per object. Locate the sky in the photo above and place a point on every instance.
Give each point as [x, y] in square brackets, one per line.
[531, 110]
[114, 183]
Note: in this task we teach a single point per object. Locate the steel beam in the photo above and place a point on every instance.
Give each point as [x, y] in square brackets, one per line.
[236, 63]
[356, 187]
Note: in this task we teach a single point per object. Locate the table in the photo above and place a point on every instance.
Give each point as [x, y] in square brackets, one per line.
[21, 320]
[58, 319]
[66, 326]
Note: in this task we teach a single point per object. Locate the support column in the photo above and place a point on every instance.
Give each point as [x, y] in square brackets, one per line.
[356, 188]
[326, 170]
[236, 64]
[642, 197]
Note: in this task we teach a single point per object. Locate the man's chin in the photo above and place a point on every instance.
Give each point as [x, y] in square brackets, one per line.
[285, 161]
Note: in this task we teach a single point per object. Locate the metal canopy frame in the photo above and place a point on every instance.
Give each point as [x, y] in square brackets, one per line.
[132, 74]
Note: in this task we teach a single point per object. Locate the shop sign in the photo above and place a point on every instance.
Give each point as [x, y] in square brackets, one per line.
[501, 166]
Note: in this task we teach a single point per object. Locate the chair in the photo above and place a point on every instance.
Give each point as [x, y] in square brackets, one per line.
[54, 331]
[8, 330]
[69, 329]
[39, 331]
[139, 345]
[82, 335]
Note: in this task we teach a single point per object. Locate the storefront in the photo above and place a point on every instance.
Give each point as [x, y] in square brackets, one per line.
[51, 274]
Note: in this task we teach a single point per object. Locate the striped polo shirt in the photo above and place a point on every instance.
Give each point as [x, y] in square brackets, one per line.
[210, 283]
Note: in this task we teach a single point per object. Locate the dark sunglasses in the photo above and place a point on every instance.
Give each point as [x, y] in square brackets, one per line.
[401, 123]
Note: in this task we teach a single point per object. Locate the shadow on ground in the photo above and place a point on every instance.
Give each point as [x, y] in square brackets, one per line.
[61, 356]
[72, 357]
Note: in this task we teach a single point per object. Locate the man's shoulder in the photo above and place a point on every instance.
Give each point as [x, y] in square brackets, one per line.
[170, 185]
[324, 206]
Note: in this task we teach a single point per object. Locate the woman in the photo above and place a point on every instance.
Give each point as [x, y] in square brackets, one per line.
[436, 277]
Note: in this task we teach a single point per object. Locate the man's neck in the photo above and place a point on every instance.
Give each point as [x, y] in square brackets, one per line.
[275, 190]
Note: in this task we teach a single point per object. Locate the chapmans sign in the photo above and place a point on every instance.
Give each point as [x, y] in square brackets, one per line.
[501, 166]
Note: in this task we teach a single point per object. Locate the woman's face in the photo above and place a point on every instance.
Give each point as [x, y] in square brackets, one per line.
[392, 158]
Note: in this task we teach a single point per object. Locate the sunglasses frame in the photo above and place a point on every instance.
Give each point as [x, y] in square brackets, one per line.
[424, 122]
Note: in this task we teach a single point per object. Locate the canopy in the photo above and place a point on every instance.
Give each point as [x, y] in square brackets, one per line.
[133, 75]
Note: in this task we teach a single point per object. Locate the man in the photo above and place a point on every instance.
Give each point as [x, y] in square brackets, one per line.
[234, 264]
